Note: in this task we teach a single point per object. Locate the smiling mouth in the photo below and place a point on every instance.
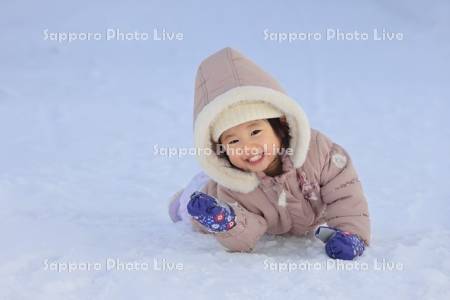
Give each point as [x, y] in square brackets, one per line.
[256, 159]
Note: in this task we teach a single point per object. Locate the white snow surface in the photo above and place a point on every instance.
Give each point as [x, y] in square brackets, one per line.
[80, 184]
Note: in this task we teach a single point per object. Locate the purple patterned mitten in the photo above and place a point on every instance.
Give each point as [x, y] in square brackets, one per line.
[214, 215]
[340, 244]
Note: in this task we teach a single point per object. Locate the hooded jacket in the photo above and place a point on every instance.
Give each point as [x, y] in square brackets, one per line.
[318, 184]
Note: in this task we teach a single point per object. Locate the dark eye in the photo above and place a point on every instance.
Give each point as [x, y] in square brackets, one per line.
[256, 131]
[233, 142]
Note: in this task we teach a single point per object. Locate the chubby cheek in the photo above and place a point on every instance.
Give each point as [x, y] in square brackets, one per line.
[272, 149]
[238, 160]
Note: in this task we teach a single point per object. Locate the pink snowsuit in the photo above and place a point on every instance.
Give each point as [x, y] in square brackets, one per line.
[318, 185]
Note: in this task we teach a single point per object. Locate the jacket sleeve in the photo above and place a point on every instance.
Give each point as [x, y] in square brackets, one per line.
[249, 226]
[341, 190]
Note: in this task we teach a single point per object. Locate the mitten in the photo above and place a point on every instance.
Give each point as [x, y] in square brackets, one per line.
[340, 244]
[215, 216]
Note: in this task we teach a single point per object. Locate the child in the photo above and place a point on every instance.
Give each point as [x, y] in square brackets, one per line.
[267, 171]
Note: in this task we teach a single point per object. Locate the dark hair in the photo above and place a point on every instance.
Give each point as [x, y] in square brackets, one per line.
[281, 129]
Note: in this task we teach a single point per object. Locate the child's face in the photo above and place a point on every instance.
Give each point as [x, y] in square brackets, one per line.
[251, 146]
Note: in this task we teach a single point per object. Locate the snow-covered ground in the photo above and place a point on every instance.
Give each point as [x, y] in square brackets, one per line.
[80, 185]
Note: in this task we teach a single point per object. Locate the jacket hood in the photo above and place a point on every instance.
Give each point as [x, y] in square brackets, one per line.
[223, 79]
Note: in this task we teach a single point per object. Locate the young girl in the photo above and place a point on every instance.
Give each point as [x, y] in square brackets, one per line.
[266, 170]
